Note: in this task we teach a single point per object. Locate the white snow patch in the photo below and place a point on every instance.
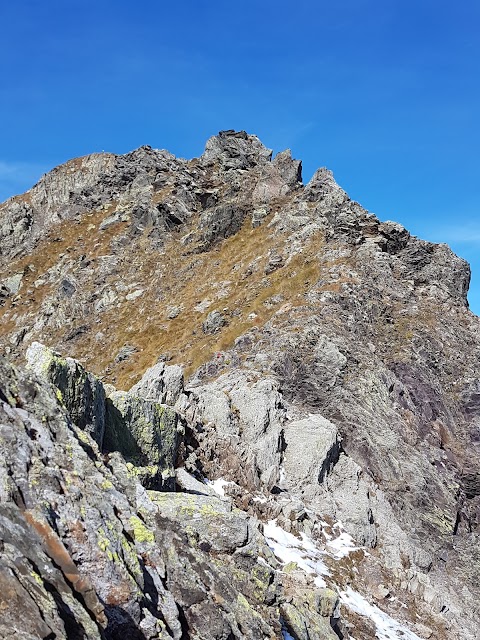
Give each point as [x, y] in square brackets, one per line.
[217, 485]
[320, 582]
[288, 548]
[261, 560]
[341, 546]
[387, 627]
[309, 557]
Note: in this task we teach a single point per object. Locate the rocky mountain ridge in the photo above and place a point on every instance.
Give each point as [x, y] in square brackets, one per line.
[331, 365]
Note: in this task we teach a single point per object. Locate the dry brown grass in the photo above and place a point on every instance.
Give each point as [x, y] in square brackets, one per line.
[189, 279]
[70, 238]
[172, 277]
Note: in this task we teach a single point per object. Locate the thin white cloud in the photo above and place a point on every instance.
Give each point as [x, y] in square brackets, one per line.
[465, 230]
[15, 171]
[17, 177]
[458, 234]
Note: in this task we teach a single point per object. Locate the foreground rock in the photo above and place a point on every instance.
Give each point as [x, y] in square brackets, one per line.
[88, 553]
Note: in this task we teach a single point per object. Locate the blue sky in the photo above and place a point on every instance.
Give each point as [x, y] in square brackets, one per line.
[386, 93]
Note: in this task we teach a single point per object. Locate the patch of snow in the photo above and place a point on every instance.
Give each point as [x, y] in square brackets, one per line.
[320, 582]
[341, 546]
[288, 548]
[386, 627]
[217, 485]
[309, 558]
[261, 560]
[325, 526]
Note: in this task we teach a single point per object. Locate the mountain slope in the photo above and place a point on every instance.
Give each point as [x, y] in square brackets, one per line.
[331, 358]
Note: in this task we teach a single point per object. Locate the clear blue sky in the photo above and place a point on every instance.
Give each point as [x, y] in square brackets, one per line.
[386, 93]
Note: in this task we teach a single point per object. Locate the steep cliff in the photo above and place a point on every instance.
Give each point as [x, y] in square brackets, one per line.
[331, 387]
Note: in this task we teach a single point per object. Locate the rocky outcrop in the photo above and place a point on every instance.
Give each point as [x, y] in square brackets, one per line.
[161, 383]
[316, 443]
[80, 391]
[88, 553]
[145, 432]
[235, 150]
[331, 371]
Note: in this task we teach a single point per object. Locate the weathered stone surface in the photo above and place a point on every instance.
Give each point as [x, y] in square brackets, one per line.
[62, 537]
[128, 349]
[300, 624]
[189, 484]
[213, 520]
[145, 432]
[235, 150]
[312, 449]
[14, 283]
[214, 322]
[87, 553]
[240, 413]
[161, 383]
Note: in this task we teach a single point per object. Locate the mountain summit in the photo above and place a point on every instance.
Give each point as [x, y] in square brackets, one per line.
[214, 324]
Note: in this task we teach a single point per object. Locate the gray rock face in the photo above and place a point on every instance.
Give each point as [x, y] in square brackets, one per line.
[235, 150]
[87, 184]
[64, 192]
[190, 485]
[145, 432]
[222, 528]
[245, 420]
[14, 283]
[221, 222]
[312, 450]
[213, 322]
[278, 178]
[161, 383]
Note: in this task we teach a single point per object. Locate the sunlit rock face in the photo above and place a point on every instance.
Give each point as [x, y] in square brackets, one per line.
[250, 409]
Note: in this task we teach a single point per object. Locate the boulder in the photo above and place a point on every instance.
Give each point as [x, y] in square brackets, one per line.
[215, 522]
[214, 322]
[81, 392]
[312, 448]
[161, 383]
[146, 433]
